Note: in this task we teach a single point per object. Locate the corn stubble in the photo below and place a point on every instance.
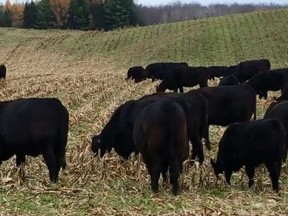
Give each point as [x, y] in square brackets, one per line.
[89, 80]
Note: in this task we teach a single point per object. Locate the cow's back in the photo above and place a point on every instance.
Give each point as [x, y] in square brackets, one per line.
[28, 123]
[252, 142]
[162, 124]
[228, 104]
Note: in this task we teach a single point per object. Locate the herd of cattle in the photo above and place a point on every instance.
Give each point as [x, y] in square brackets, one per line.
[160, 125]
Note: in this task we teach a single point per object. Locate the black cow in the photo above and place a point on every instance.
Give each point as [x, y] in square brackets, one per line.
[32, 127]
[2, 71]
[136, 73]
[279, 111]
[184, 77]
[228, 104]
[158, 70]
[271, 80]
[160, 135]
[248, 69]
[113, 136]
[217, 71]
[229, 80]
[117, 133]
[250, 144]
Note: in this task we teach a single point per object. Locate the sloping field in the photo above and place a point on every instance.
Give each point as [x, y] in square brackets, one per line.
[86, 71]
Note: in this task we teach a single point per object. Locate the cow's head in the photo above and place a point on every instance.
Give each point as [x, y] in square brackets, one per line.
[98, 144]
[217, 167]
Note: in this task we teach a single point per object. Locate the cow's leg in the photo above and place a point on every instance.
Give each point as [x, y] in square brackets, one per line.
[206, 136]
[60, 162]
[164, 170]
[155, 169]
[250, 170]
[197, 149]
[20, 159]
[286, 149]
[274, 169]
[265, 95]
[174, 174]
[228, 174]
[181, 89]
[50, 160]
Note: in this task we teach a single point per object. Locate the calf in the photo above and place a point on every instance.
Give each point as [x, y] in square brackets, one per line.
[279, 111]
[229, 80]
[250, 144]
[32, 127]
[160, 135]
[184, 77]
[136, 73]
[271, 80]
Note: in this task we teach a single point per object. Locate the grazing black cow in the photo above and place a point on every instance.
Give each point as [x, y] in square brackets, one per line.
[250, 144]
[279, 111]
[117, 133]
[228, 104]
[160, 135]
[113, 136]
[158, 70]
[136, 73]
[217, 71]
[229, 80]
[2, 71]
[184, 77]
[271, 80]
[247, 69]
[34, 126]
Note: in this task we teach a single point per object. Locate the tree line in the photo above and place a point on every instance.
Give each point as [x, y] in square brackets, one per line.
[108, 14]
[69, 14]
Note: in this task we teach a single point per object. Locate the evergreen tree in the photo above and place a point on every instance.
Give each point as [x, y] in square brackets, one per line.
[6, 19]
[78, 14]
[30, 15]
[44, 15]
[120, 13]
[98, 14]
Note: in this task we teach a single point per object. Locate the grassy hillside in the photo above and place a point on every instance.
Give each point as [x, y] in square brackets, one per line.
[86, 71]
